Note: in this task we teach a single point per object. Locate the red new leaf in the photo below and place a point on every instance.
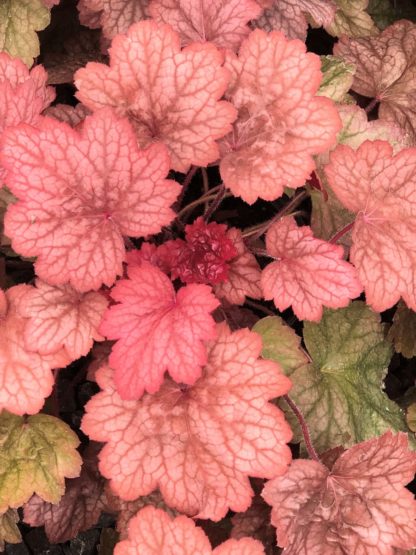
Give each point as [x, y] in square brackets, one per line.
[308, 273]
[60, 317]
[80, 193]
[222, 22]
[169, 95]
[114, 16]
[359, 506]
[24, 95]
[157, 330]
[386, 70]
[198, 444]
[154, 532]
[26, 377]
[281, 122]
[381, 189]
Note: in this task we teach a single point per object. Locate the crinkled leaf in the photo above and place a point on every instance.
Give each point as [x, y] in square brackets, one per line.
[386, 70]
[403, 331]
[289, 16]
[352, 20]
[9, 532]
[37, 453]
[19, 21]
[197, 444]
[60, 317]
[170, 95]
[307, 273]
[281, 123]
[80, 193]
[157, 330]
[114, 16]
[243, 273]
[359, 506]
[222, 22]
[73, 116]
[154, 532]
[26, 377]
[340, 392]
[77, 510]
[381, 188]
[382, 12]
[337, 78]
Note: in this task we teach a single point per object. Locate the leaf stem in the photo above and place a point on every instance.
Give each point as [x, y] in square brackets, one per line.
[215, 203]
[371, 105]
[188, 178]
[341, 233]
[260, 307]
[304, 427]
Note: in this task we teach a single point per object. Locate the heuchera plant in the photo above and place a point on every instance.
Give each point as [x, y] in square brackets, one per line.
[208, 276]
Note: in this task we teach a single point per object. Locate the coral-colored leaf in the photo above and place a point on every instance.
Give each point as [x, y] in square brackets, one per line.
[289, 16]
[9, 531]
[77, 510]
[26, 377]
[222, 22]
[198, 444]
[243, 273]
[61, 317]
[19, 21]
[169, 95]
[24, 94]
[308, 273]
[154, 532]
[157, 330]
[79, 193]
[37, 453]
[114, 16]
[281, 121]
[352, 20]
[380, 188]
[386, 70]
[359, 506]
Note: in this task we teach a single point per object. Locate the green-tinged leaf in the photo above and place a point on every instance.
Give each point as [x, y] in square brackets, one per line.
[9, 532]
[411, 417]
[337, 78]
[19, 21]
[341, 392]
[352, 19]
[281, 344]
[37, 453]
[382, 12]
[403, 331]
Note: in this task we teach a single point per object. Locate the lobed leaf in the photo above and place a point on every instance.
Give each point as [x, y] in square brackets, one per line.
[114, 16]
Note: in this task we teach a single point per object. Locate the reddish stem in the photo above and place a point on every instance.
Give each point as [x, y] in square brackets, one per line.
[188, 178]
[305, 430]
[215, 203]
[341, 232]
[371, 105]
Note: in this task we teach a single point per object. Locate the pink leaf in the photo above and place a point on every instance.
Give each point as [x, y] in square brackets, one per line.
[80, 193]
[281, 122]
[380, 188]
[154, 532]
[243, 273]
[222, 22]
[198, 444]
[114, 16]
[24, 95]
[169, 95]
[26, 377]
[359, 506]
[308, 273]
[60, 317]
[157, 330]
[385, 70]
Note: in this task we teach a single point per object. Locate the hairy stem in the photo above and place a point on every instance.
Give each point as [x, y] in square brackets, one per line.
[341, 233]
[304, 427]
[215, 203]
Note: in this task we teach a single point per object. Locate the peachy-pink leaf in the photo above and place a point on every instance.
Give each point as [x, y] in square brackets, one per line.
[79, 193]
[281, 122]
[381, 189]
[157, 330]
[114, 16]
[153, 532]
[308, 273]
[198, 444]
[222, 22]
[170, 95]
[61, 317]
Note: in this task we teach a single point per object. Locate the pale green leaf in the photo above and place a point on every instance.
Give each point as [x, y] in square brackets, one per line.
[37, 453]
[337, 78]
[19, 21]
[382, 12]
[403, 331]
[352, 19]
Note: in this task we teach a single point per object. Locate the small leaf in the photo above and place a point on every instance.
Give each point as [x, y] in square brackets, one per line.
[411, 417]
[9, 531]
[37, 453]
[403, 331]
[337, 78]
[19, 19]
[352, 20]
